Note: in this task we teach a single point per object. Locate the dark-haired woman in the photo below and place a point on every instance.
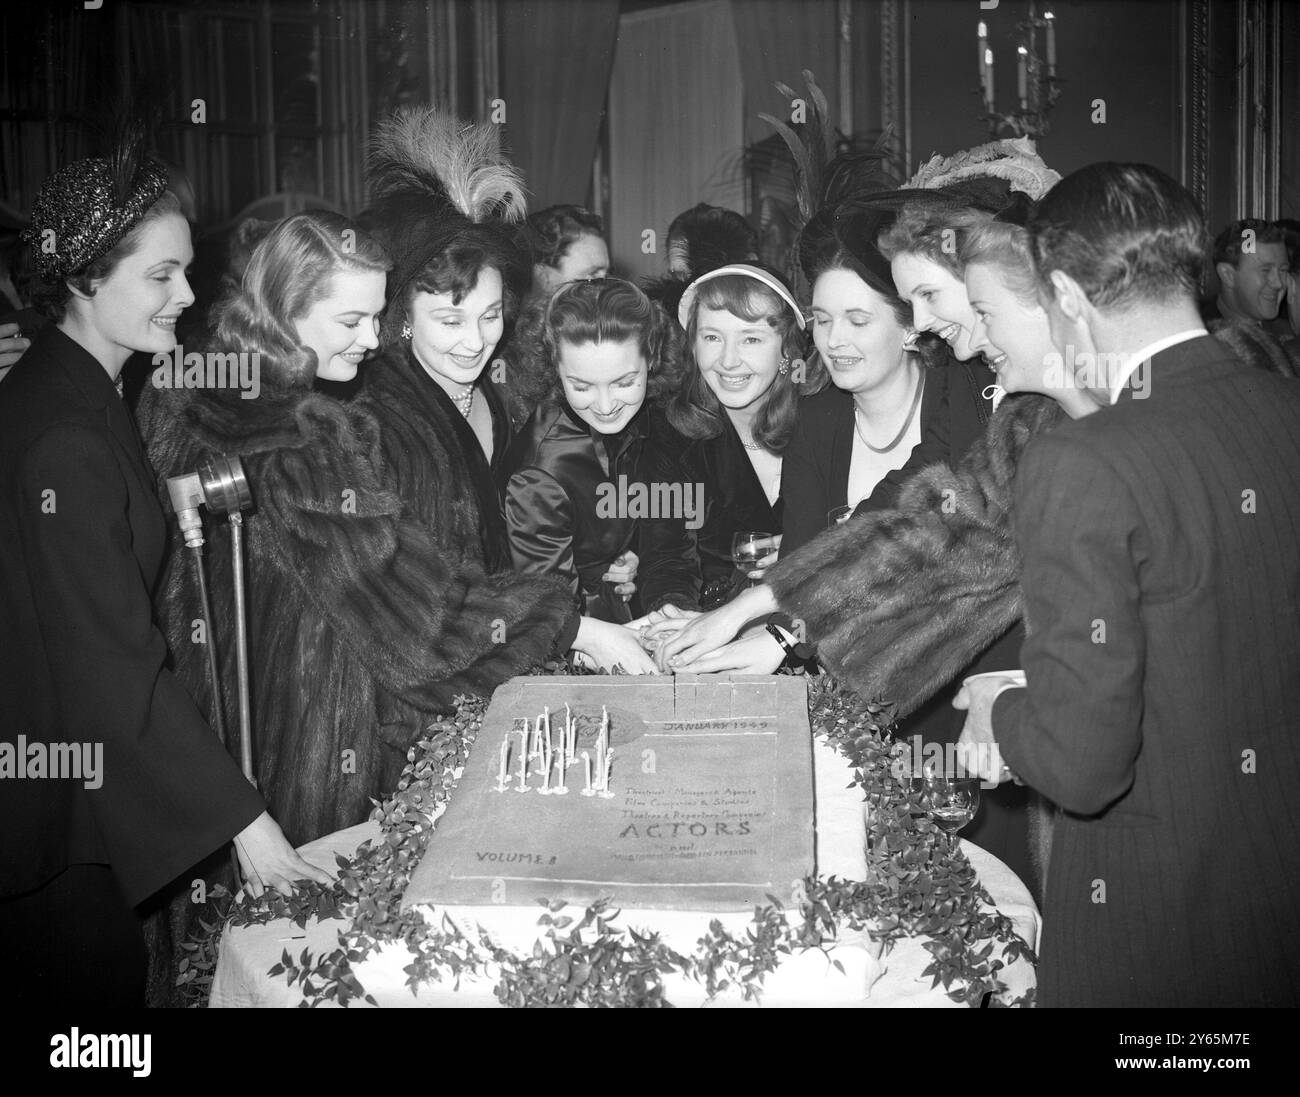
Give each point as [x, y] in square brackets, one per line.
[889, 414]
[724, 431]
[436, 387]
[591, 356]
[362, 623]
[82, 665]
[566, 244]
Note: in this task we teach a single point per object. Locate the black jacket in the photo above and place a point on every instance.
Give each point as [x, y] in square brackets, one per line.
[563, 504]
[692, 567]
[80, 658]
[815, 474]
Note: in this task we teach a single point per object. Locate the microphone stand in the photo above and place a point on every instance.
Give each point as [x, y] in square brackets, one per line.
[220, 485]
[241, 647]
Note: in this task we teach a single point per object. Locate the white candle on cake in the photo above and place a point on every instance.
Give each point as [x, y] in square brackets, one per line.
[586, 761]
[505, 759]
[523, 765]
[604, 781]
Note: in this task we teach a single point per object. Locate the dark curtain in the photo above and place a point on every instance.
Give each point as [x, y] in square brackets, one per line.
[778, 39]
[556, 59]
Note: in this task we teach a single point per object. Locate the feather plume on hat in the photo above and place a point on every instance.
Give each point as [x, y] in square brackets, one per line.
[426, 152]
[1016, 162]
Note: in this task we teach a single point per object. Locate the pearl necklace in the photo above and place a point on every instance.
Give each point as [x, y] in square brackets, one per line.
[464, 400]
[911, 414]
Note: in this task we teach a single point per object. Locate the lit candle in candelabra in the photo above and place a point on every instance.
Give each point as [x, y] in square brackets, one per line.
[983, 50]
[988, 80]
[1022, 77]
[1050, 19]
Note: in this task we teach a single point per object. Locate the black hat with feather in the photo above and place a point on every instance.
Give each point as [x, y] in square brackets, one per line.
[441, 186]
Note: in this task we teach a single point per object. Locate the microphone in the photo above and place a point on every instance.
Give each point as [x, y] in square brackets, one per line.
[219, 484]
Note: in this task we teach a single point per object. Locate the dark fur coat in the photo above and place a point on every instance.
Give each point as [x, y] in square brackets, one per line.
[362, 624]
[899, 601]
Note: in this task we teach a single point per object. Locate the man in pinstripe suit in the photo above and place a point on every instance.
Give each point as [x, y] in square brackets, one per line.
[1162, 584]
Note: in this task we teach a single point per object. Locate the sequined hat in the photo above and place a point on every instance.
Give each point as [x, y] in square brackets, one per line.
[84, 210]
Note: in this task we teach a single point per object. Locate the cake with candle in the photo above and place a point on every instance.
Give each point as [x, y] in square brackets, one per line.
[688, 800]
[666, 793]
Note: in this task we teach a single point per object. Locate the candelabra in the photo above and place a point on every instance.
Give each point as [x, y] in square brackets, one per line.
[1037, 85]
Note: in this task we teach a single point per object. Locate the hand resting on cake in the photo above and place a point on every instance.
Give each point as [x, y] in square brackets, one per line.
[268, 861]
[709, 631]
[606, 645]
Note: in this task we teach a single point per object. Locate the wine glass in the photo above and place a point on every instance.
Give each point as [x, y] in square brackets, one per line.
[950, 799]
[747, 549]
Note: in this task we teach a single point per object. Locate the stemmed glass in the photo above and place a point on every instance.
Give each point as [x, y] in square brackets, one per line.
[951, 799]
[747, 549]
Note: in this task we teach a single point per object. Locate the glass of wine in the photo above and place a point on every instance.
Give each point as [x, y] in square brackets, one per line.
[747, 549]
[951, 800]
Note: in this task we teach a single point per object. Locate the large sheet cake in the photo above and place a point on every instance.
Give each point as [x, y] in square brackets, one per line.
[711, 806]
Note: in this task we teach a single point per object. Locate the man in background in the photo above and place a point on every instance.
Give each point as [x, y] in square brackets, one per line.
[1250, 259]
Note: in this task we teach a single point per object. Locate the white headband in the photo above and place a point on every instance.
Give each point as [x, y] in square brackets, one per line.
[745, 270]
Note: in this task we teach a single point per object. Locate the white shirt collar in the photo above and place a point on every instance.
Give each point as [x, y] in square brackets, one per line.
[1148, 352]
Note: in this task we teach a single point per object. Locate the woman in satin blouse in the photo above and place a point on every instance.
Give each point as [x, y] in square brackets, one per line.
[589, 357]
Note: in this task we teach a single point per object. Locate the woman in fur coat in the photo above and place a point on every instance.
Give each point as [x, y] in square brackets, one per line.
[443, 194]
[362, 625]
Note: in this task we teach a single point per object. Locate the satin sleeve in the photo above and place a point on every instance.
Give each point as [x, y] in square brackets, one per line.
[539, 523]
[669, 572]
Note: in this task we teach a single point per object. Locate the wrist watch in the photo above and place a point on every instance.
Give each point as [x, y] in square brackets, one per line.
[801, 652]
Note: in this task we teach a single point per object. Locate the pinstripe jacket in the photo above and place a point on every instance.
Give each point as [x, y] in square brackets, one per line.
[1161, 573]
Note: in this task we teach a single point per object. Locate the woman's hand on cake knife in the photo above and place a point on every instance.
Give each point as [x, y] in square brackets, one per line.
[267, 859]
[609, 645]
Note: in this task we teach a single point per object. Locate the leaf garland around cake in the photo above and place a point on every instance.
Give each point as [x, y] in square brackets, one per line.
[915, 886]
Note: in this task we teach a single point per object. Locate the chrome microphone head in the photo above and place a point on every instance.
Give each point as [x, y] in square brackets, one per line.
[225, 488]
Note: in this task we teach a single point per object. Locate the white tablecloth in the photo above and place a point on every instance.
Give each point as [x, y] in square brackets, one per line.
[247, 953]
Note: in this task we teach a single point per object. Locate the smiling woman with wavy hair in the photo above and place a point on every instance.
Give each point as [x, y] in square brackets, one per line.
[592, 356]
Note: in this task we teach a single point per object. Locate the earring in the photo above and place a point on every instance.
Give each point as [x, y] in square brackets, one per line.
[406, 330]
[910, 338]
[784, 367]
